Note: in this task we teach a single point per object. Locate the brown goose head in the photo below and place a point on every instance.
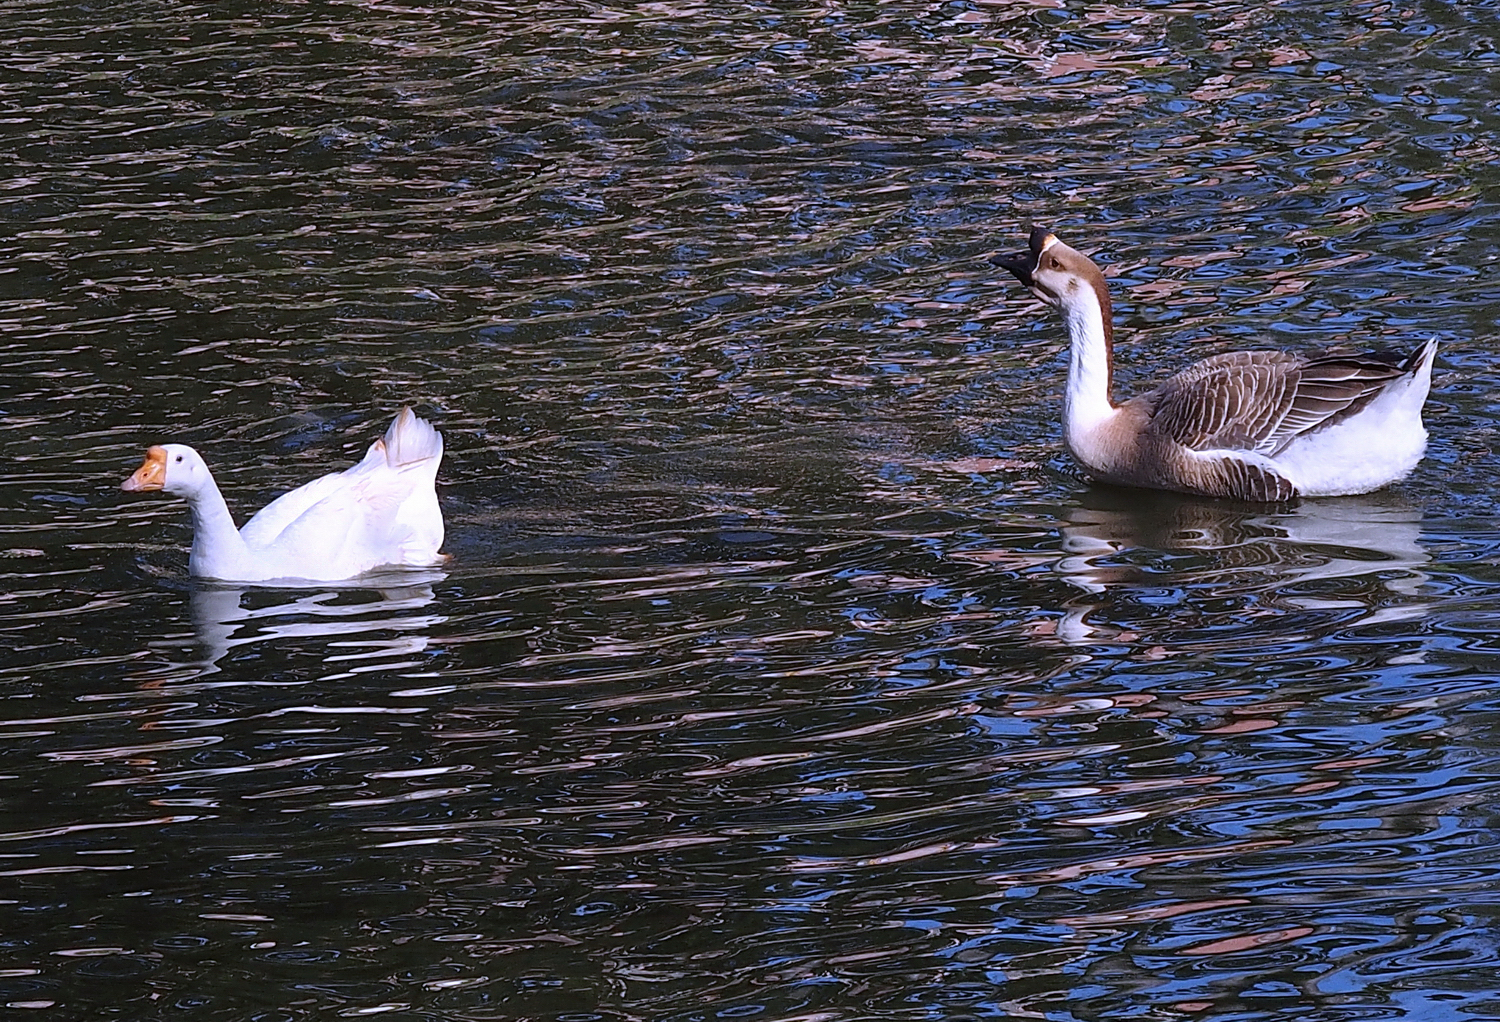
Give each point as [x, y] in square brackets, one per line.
[1055, 273]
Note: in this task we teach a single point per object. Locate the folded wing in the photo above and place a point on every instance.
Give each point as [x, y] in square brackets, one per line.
[381, 511]
[1261, 401]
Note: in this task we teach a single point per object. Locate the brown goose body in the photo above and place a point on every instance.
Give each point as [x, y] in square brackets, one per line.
[1265, 426]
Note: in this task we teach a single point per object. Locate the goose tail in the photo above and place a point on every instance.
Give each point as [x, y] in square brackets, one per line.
[1420, 358]
[410, 440]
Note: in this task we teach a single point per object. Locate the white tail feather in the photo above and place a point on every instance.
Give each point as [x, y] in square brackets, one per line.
[411, 439]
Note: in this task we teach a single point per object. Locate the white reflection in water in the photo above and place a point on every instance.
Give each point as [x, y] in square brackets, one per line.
[1286, 555]
[348, 615]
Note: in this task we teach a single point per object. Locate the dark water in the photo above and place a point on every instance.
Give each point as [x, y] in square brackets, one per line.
[785, 670]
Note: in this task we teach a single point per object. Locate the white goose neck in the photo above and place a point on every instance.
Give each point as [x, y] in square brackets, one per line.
[1086, 317]
[218, 549]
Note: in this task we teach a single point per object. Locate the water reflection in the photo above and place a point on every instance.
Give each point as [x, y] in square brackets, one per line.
[1359, 554]
[227, 618]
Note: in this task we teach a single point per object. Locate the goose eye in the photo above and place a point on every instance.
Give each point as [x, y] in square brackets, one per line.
[179, 459]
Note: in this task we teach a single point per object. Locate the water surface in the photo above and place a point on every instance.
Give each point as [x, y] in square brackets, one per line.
[786, 668]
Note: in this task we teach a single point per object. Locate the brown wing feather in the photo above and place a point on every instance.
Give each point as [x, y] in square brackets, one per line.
[1263, 400]
[1231, 476]
[1231, 401]
[1330, 390]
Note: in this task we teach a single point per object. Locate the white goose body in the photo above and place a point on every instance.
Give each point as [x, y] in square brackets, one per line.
[381, 512]
[1253, 425]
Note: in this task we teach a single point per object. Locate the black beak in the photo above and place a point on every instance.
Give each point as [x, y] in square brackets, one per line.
[1022, 266]
[1018, 265]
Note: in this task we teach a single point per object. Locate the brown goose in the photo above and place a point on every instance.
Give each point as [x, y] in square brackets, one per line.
[1253, 425]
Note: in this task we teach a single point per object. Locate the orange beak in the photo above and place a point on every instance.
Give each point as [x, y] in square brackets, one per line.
[152, 475]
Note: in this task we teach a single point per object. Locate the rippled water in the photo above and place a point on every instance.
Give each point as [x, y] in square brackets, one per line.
[786, 669]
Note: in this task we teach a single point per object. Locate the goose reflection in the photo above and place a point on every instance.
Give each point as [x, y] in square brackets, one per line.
[1286, 554]
[354, 617]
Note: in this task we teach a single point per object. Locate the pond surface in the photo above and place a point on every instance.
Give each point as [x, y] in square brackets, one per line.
[786, 669]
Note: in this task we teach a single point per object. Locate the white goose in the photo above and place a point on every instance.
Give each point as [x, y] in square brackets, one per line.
[382, 511]
[1264, 426]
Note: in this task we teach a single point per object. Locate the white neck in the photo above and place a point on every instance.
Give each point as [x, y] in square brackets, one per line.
[218, 549]
[1087, 404]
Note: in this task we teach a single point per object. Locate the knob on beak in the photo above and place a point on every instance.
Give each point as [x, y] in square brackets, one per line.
[152, 475]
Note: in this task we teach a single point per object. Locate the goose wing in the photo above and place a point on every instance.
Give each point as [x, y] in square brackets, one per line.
[348, 530]
[1262, 400]
[401, 466]
[1333, 388]
[1235, 401]
[270, 521]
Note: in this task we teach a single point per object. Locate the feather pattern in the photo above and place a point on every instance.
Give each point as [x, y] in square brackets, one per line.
[1237, 474]
[1263, 400]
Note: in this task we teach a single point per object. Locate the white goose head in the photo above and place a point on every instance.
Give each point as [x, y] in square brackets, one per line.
[174, 468]
[1061, 276]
